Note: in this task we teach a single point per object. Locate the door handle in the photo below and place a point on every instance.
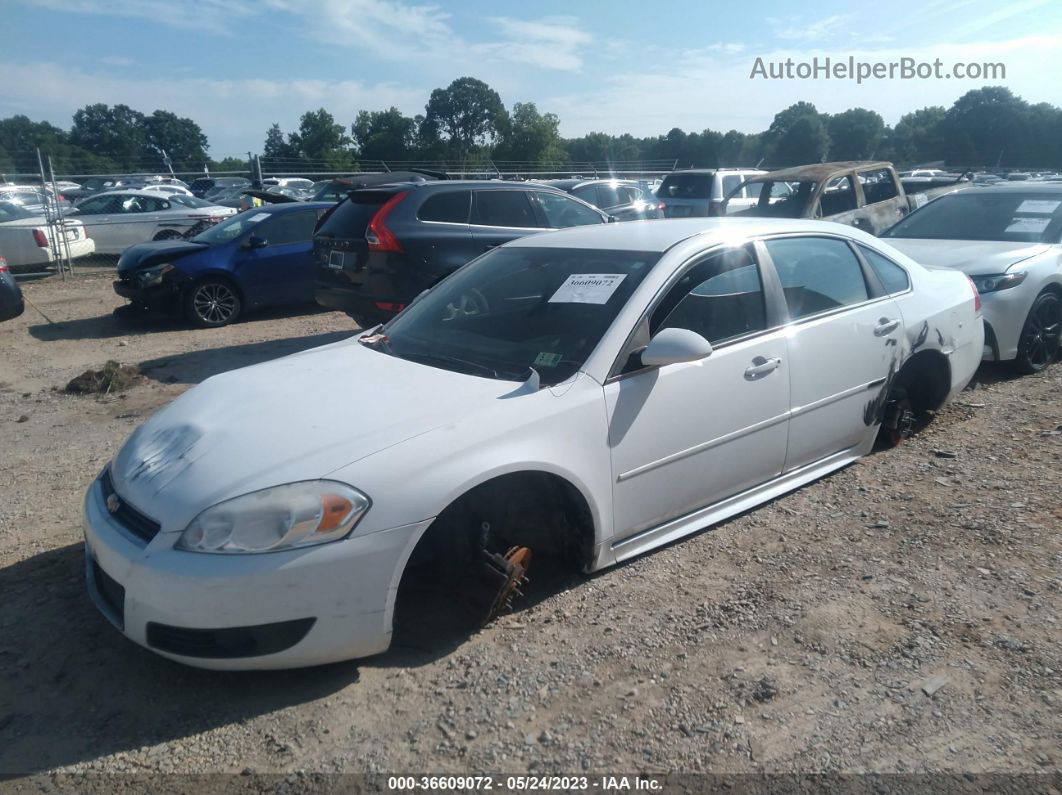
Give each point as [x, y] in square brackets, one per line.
[885, 327]
[761, 366]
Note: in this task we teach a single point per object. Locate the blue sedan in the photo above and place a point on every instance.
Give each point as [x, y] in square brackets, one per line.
[260, 257]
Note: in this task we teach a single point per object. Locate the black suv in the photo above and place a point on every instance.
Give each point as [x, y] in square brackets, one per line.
[381, 247]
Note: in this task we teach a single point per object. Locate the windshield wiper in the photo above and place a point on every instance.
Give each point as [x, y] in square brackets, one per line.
[442, 358]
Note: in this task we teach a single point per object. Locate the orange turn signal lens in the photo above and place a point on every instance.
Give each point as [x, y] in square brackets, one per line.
[336, 509]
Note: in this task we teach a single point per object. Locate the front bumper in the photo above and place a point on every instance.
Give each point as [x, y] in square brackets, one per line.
[236, 612]
[164, 296]
[1005, 312]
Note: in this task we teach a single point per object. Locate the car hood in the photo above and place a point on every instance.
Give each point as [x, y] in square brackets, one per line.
[156, 251]
[296, 418]
[972, 257]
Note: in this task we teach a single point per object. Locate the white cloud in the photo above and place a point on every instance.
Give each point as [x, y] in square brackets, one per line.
[797, 29]
[204, 16]
[227, 110]
[553, 43]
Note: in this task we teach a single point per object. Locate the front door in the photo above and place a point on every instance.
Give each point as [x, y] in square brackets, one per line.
[283, 270]
[843, 345]
[688, 435]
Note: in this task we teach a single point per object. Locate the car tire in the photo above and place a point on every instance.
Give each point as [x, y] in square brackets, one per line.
[212, 303]
[168, 234]
[1041, 335]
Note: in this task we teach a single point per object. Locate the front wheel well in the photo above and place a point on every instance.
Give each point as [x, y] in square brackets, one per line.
[531, 508]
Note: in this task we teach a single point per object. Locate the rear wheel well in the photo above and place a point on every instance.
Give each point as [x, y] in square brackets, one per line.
[925, 378]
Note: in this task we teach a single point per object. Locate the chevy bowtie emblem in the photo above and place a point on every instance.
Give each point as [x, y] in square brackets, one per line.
[113, 503]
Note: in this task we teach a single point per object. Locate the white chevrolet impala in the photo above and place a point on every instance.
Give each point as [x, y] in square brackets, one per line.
[587, 394]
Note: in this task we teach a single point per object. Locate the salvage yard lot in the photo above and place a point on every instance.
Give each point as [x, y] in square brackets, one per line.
[806, 635]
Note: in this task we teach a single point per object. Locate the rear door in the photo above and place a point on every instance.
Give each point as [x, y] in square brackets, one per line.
[843, 345]
[499, 216]
[883, 201]
[282, 271]
[102, 216]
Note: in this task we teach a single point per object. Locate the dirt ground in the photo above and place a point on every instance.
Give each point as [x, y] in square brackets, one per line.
[797, 637]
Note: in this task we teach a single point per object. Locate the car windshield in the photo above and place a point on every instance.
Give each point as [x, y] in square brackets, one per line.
[518, 308]
[187, 201]
[230, 229]
[1019, 217]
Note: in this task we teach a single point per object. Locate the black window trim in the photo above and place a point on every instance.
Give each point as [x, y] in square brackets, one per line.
[869, 268]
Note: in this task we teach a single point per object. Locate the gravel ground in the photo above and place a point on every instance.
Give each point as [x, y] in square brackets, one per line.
[901, 615]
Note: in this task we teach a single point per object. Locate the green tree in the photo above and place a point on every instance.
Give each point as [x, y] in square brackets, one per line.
[916, 138]
[855, 134]
[384, 134]
[467, 114]
[276, 148]
[986, 126]
[531, 137]
[322, 142]
[797, 136]
[117, 133]
[181, 139]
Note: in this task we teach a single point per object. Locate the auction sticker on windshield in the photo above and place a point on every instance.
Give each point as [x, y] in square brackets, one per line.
[1038, 206]
[256, 218]
[587, 288]
[1028, 225]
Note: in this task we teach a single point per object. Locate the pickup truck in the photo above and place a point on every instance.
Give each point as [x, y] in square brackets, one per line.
[865, 194]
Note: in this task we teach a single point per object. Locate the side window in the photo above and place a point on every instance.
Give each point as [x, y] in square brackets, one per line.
[817, 274]
[586, 193]
[289, 228]
[562, 212]
[629, 193]
[101, 205]
[730, 181]
[878, 185]
[838, 197]
[153, 205]
[504, 208]
[893, 277]
[607, 196]
[720, 298]
[449, 207]
[133, 204]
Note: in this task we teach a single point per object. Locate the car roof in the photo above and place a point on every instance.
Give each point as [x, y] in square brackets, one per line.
[1053, 188]
[660, 235]
[284, 207]
[819, 172]
[464, 184]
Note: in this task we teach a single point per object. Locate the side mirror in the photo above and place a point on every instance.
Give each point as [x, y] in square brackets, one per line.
[254, 241]
[612, 219]
[674, 345]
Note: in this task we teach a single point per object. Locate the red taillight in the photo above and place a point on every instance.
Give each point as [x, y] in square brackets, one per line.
[661, 206]
[389, 306]
[3, 265]
[40, 238]
[977, 295]
[378, 236]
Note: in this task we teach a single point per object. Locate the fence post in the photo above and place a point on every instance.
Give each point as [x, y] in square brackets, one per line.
[65, 243]
[53, 243]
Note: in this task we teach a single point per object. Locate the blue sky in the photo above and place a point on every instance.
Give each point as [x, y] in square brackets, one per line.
[236, 66]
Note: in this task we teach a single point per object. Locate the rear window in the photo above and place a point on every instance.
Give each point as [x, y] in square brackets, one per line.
[450, 207]
[686, 186]
[350, 218]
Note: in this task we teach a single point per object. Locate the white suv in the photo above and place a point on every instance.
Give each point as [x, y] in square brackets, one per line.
[700, 191]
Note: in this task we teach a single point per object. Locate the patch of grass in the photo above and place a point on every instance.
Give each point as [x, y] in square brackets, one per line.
[112, 377]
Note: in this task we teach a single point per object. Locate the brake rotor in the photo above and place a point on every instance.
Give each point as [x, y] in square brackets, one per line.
[502, 577]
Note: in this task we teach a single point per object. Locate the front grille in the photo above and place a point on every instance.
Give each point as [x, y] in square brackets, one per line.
[230, 642]
[110, 591]
[126, 515]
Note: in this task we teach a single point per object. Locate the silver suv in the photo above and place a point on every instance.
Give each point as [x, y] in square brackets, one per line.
[700, 191]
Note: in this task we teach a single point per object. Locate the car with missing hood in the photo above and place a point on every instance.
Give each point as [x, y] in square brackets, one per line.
[1008, 239]
[584, 395]
[259, 258]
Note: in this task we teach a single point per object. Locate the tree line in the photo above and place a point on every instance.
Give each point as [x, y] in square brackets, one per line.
[467, 122]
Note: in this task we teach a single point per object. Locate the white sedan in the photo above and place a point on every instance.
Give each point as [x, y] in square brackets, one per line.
[26, 238]
[118, 219]
[587, 394]
[1008, 239]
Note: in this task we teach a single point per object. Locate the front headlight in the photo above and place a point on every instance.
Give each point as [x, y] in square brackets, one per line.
[153, 275]
[999, 281]
[283, 517]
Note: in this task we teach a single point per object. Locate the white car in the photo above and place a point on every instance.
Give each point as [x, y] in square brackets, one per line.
[118, 219]
[701, 191]
[167, 190]
[1008, 239]
[26, 238]
[589, 394]
[298, 183]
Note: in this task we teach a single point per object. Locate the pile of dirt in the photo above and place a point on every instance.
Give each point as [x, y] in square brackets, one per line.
[112, 377]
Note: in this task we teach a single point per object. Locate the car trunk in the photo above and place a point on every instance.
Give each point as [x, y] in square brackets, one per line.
[339, 244]
[686, 195]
